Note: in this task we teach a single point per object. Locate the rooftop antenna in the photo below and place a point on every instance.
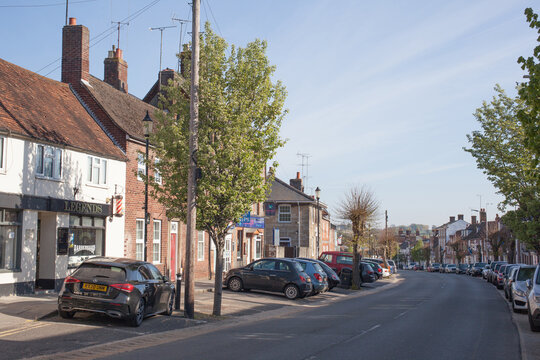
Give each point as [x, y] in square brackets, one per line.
[161, 28]
[305, 163]
[182, 22]
[118, 23]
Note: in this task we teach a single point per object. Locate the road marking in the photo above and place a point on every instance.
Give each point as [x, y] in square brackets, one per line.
[22, 329]
[400, 315]
[362, 333]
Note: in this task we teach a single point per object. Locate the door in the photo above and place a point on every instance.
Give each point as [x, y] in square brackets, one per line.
[173, 249]
[227, 253]
[259, 277]
[281, 276]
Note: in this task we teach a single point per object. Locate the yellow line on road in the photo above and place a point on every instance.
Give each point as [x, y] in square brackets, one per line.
[22, 329]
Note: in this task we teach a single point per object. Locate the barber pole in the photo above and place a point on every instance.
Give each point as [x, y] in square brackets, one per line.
[118, 205]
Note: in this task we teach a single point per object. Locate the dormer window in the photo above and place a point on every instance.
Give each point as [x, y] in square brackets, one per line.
[48, 162]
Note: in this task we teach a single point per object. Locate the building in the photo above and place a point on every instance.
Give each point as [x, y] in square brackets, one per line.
[442, 237]
[60, 175]
[291, 222]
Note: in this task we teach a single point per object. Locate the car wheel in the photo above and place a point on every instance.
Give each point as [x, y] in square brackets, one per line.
[531, 322]
[66, 314]
[235, 284]
[138, 317]
[291, 291]
[170, 305]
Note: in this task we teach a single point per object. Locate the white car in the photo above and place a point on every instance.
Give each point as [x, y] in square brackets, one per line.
[518, 291]
[533, 300]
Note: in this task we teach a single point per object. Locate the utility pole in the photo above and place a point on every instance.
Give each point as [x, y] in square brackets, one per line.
[118, 23]
[182, 22]
[385, 233]
[161, 28]
[189, 300]
[67, 7]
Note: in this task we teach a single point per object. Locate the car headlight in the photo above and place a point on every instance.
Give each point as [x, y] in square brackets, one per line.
[537, 299]
[519, 293]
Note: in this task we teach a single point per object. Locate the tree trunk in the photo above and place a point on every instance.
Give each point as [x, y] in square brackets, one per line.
[356, 266]
[218, 281]
[210, 259]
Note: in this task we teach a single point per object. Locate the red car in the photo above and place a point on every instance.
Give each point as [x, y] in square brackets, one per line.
[337, 260]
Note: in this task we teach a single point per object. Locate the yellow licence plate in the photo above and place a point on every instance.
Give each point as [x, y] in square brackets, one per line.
[94, 287]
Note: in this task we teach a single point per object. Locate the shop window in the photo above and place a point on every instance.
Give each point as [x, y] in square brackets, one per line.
[139, 239]
[97, 171]
[284, 241]
[156, 246]
[86, 239]
[284, 213]
[200, 246]
[10, 240]
[2, 153]
[48, 162]
[141, 168]
[157, 174]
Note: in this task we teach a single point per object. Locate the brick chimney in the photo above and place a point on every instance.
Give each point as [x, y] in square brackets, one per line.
[452, 219]
[115, 73]
[460, 217]
[473, 219]
[417, 232]
[297, 183]
[75, 47]
[483, 215]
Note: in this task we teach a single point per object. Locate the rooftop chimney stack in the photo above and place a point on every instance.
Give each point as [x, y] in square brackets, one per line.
[452, 219]
[460, 217]
[116, 70]
[297, 183]
[483, 215]
[473, 220]
[75, 47]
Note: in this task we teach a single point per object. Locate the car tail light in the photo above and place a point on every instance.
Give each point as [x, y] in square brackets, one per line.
[71, 280]
[379, 270]
[317, 276]
[123, 287]
[334, 277]
[370, 272]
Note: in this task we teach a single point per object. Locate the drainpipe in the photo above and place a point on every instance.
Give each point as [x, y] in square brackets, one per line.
[298, 248]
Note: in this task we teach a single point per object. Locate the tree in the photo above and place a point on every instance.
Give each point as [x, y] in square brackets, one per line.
[360, 207]
[529, 92]
[240, 114]
[417, 252]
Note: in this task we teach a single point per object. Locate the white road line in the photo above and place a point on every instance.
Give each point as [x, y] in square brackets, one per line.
[400, 315]
[362, 333]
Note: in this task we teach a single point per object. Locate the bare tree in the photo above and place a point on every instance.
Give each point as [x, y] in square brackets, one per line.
[360, 208]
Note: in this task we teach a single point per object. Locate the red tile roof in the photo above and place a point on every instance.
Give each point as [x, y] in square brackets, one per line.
[43, 109]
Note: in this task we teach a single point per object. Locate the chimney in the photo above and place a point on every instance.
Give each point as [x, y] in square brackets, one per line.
[75, 46]
[185, 62]
[408, 232]
[483, 215]
[452, 219]
[297, 183]
[115, 73]
[473, 220]
[460, 217]
[417, 232]
[165, 76]
[400, 232]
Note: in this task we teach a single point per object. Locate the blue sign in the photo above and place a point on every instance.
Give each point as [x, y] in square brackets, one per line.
[254, 222]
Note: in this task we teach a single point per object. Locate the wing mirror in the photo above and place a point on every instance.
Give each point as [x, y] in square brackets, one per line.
[528, 283]
[165, 278]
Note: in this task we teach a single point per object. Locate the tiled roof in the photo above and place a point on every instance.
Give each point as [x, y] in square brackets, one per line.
[43, 109]
[126, 110]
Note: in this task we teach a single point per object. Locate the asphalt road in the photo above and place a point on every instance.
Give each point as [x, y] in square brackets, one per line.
[427, 316]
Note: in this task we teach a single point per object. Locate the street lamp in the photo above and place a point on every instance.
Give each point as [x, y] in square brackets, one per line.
[147, 127]
[318, 196]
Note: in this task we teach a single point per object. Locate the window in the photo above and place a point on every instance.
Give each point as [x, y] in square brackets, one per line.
[10, 240]
[348, 260]
[284, 213]
[48, 162]
[283, 266]
[258, 247]
[141, 168]
[2, 153]
[97, 171]
[265, 265]
[86, 238]
[139, 239]
[200, 246]
[284, 241]
[156, 246]
[157, 174]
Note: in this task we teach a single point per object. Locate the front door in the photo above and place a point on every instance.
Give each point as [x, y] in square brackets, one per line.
[227, 253]
[174, 250]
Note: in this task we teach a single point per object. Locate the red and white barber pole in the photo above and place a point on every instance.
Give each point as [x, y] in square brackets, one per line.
[118, 205]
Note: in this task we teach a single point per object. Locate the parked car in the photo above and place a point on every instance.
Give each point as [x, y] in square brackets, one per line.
[505, 271]
[477, 268]
[271, 274]
[496, 276]
[393, 267]
[450, 268]
[485, 272]
[367, 274]
[533, 300]
[376, 268]
[494, 267]
[434, 267]
[385, 268]
[518, 292]
[509, 280]
[411, 266]
[469, 269]
[333, 278]
[337, 260]
[319, 279]
[120, 288]
[461, 269]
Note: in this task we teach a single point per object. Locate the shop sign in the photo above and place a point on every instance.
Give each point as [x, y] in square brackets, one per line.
[80, 207]
[253, 222]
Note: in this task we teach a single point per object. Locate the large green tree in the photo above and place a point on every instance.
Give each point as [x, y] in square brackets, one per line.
[240, 113]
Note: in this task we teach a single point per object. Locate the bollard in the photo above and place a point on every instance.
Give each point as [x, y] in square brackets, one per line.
[178, 291]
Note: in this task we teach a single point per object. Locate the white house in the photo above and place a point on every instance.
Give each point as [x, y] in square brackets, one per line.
[62, 181]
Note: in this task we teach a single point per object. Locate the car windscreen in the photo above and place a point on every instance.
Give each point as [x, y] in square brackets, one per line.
[480, 265]
[101, 271]
[525, 274]
[436, 264]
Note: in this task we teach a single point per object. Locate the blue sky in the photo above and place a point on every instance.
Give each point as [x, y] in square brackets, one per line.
[381, 93]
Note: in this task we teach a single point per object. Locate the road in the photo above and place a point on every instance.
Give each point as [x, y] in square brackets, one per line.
[428, 316]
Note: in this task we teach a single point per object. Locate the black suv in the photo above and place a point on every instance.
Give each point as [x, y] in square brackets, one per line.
[120, 288]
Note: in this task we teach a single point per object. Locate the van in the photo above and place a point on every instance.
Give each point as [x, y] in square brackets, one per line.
[337, 260]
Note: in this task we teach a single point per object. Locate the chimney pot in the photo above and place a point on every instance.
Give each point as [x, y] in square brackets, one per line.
[298, 174]
[118, 53]
[72, 21]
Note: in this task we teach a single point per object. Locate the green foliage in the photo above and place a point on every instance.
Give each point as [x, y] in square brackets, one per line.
[525, 223]
[418, 252]
[499, 147]
[529, 92]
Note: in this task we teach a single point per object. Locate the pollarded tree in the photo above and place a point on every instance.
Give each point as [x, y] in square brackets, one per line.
[359, 207]
[240, 114]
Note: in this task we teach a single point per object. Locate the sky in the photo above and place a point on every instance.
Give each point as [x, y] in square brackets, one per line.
[380, 93]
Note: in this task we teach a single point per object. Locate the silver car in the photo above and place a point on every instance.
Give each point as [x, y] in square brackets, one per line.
[533, 300]
[450, 268]
[518, 292]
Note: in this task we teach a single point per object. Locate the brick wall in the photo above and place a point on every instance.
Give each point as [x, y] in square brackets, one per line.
[75, 63]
